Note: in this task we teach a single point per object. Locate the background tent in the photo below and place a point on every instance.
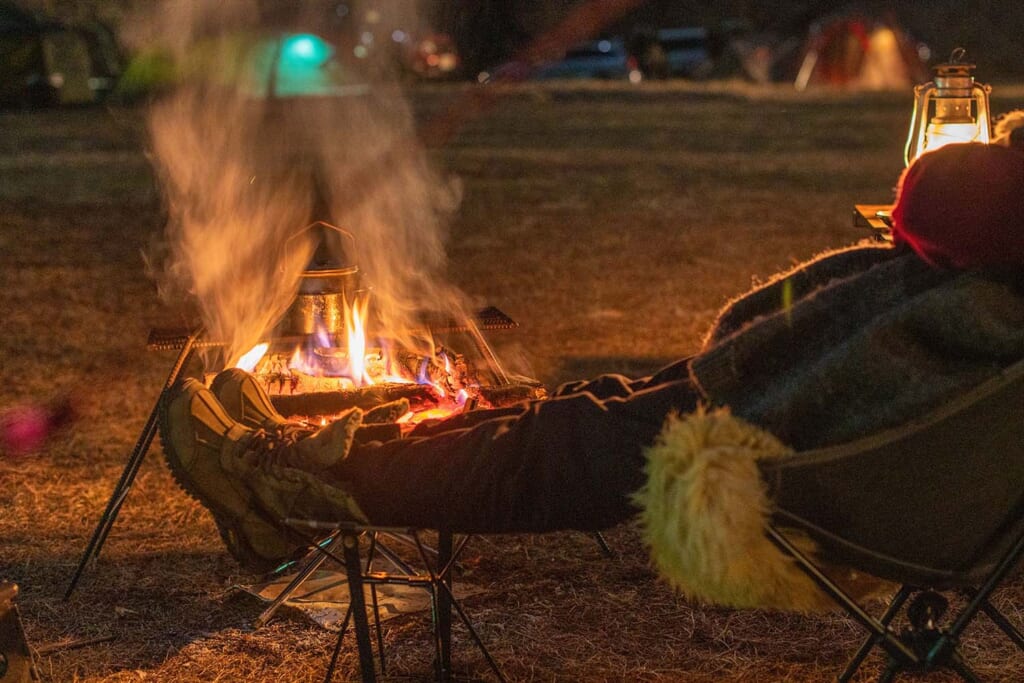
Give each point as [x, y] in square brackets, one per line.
[44, 62]
[858, 52]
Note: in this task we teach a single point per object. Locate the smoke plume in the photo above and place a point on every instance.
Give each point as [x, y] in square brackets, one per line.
[284, 115]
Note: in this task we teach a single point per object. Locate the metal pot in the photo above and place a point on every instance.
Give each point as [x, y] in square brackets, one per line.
[321, 301]
[326, 287]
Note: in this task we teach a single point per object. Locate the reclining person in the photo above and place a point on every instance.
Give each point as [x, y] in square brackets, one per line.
[851, 343]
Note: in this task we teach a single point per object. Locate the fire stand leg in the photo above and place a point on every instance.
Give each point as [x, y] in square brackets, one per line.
[124, 484]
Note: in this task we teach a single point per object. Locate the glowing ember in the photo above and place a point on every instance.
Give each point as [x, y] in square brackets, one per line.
[322, 363]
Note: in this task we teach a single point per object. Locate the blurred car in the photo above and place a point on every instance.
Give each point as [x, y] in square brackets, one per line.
[686, 52]
[604, 58]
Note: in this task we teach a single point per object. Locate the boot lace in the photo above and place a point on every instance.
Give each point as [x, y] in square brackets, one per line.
[271, 449]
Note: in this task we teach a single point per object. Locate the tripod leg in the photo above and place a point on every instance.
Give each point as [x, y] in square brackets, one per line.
[106, 523]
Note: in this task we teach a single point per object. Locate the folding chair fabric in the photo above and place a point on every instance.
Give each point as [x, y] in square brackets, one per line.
[933, 503]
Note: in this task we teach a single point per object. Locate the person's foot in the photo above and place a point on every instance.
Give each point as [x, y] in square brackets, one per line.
[197, 435]
[285, 442]
[245, 400]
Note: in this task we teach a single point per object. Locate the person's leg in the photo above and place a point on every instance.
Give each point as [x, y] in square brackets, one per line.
[565, 463]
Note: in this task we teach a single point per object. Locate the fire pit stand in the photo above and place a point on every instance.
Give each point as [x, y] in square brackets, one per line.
[186, 341]
[131, 468]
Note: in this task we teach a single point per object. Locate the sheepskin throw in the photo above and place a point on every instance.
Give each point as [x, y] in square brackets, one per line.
[704, 509]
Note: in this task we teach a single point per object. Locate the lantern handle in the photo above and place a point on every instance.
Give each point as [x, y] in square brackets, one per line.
[922, 94]
[957, 55]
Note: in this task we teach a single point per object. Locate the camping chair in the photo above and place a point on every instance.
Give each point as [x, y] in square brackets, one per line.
[434, 576]
[936, 505]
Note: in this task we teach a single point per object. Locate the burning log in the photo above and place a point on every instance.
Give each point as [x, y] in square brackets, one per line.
[333, 402]
[420, 397]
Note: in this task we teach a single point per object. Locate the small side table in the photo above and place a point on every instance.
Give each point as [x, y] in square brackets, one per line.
[874, 217]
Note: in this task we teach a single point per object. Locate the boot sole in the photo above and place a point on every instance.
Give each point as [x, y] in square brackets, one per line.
[228, 524]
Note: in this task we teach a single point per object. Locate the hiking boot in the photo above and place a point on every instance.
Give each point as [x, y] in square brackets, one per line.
[310, 452]
[245, 399]
[290, 443]
[288, 492]
[197, 434]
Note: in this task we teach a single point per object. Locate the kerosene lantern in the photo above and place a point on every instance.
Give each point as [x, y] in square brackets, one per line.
[952, 108]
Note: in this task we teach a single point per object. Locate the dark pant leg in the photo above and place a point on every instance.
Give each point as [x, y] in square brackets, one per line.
[565, 463]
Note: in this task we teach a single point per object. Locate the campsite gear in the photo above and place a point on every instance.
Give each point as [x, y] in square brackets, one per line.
[131, 468]
[329, 284]
[961, 109]
[434, 576]
[907, 527]
[186, 340]
[44, 62]
[16, 662]
[854, 51]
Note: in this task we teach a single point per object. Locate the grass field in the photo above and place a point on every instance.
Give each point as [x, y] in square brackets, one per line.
[611, 223]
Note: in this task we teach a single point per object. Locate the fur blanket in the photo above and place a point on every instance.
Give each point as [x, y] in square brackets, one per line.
[858, 341]
[704, 508]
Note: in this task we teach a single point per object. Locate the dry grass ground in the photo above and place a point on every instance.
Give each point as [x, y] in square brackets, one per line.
[611, 223]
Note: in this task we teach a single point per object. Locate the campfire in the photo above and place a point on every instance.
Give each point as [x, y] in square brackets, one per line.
[330, 352]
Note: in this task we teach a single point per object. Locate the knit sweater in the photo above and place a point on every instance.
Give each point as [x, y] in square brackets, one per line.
[857, 341]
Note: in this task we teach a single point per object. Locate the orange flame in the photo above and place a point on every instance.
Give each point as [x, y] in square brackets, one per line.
[252, 357]
[356, 334]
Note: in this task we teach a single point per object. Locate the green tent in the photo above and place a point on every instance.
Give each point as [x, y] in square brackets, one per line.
[44, 62]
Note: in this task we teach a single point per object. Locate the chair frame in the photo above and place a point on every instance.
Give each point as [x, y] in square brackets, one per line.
[435, 577]
[924, 647]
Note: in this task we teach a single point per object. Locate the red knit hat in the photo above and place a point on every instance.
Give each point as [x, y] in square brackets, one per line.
[962, 206]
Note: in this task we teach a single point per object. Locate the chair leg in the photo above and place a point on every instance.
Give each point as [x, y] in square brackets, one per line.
[896, 649]
[357, 603]
[869, 643]
[312, 564]
[1005, 566]
[443, 599]
[1000, 620]
[444, 602]
[957, 664]
[473, 634]
[890, 671]
[370, 554]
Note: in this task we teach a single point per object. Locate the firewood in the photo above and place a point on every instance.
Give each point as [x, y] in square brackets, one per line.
[331, 402]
